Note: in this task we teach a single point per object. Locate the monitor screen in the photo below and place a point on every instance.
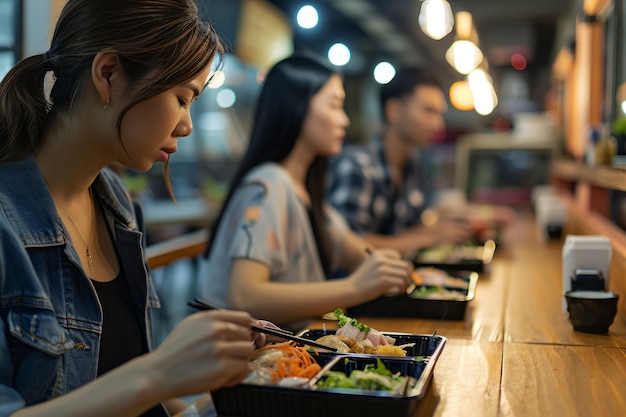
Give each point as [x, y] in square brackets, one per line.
[506, 176]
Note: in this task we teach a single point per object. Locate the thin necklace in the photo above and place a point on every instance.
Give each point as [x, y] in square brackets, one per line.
[89, 258]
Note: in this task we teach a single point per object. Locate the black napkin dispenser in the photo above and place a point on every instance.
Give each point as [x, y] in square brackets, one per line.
[587, 280]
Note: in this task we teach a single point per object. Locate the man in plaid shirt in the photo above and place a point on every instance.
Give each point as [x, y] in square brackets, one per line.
[384, 190]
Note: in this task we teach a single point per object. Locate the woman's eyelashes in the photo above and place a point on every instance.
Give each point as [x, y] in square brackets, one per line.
[187, 102]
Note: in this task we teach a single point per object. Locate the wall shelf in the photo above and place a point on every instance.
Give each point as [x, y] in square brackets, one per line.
[608, 177]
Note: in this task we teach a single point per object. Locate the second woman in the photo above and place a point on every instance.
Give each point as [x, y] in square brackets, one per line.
[276, 242]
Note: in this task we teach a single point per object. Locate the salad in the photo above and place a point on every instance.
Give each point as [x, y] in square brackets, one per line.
[373, 377]
[283, 364]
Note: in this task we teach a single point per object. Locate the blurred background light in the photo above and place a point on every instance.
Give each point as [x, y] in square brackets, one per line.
[464, 56]
[384, 72]
[307, 17]
[226, 98]
[436, 18]
[339, 54]
[518, 62]
[461, 96]
[217, 79]
[485, 99]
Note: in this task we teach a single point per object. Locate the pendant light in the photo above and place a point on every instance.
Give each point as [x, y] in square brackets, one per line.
[436, 18]
[464, 55]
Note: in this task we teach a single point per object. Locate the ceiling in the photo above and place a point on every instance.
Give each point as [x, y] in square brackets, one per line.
[388, 30]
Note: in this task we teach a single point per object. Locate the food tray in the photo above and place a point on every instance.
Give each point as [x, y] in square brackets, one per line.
[468, 257]
[247, 400]
[413, 305]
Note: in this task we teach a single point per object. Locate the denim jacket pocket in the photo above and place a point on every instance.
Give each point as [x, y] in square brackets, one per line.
[39, 329]
[41, 361]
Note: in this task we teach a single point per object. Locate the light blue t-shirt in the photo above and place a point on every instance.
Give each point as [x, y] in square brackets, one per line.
[267, 222]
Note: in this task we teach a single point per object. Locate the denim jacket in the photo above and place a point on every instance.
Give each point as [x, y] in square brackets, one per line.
[50, 317]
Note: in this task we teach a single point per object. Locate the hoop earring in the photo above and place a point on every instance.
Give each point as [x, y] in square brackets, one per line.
[106, 105]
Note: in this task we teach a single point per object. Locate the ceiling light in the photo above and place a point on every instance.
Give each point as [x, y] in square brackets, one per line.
[464, 25]
[485, 102]
[339, 54]
[384, 72]
[307, 17]
[461, 96]
[485, 99]
[435, 18]
[464, 56]
[478, 77]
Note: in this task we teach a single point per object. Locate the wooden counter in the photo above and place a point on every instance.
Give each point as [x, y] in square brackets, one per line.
[562, 380]
[515, 353]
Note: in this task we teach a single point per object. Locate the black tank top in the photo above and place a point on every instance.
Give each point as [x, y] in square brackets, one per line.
[122, 338]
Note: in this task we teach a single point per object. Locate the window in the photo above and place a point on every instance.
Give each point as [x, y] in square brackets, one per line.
[10, 34]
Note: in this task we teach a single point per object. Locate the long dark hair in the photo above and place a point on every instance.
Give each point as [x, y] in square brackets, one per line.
[161, 44]
[281, 109]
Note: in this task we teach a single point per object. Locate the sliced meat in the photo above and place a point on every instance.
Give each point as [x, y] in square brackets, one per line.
[374, 336]
[351, 331]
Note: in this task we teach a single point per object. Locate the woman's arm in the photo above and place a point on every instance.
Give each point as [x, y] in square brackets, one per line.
[204, 352]
[354, 250]
[250, 288]
[418, 237]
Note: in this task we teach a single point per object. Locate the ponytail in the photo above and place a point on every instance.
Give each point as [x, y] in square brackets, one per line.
[23, 108]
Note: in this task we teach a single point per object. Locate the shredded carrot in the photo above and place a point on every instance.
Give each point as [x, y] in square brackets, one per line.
[296, 361]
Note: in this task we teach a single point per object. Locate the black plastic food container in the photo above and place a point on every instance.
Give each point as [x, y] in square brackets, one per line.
[475, 257]
[247, 400]
[411, 305]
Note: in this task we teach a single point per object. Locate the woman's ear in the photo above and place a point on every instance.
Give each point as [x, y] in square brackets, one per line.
[106, 72]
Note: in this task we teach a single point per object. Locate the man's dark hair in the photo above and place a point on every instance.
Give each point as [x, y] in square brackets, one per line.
[405, 82]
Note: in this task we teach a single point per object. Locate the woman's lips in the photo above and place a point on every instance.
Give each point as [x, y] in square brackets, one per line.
[165, 154]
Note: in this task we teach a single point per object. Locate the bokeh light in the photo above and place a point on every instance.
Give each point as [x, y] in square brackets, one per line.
[461, 96]
[307, 17]
[339, 54]
[518, 62]
[384, 72]
[217, 79]
[226, 98]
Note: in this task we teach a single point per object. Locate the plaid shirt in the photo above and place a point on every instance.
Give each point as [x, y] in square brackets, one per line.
[360, 189]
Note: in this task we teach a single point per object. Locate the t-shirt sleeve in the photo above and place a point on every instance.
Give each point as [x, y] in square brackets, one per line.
[349, 192]
[258, 225]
